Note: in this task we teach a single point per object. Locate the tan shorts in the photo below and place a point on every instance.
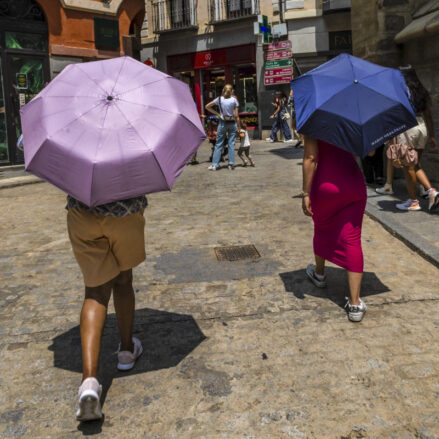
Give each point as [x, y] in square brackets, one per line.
[417, 135]
[104, 246]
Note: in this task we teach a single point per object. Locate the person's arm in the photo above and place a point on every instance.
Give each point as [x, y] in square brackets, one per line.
[209, 108]
[309, 166]
[236, 115]
[279, 107]
[430, 128]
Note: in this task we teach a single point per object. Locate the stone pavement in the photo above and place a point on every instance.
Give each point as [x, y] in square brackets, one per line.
[244, 349]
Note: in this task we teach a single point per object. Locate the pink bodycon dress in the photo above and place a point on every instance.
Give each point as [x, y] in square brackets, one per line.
[338, 199]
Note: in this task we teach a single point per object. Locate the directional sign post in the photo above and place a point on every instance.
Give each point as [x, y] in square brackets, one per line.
[278, 63]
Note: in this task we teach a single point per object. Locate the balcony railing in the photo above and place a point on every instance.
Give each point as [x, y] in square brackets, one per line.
[225, 10]
[331, 6]
[171, 15]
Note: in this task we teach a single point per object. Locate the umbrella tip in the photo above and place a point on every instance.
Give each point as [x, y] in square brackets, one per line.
[355, 81]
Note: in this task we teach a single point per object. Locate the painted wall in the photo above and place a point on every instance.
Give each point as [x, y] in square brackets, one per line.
[71, 32]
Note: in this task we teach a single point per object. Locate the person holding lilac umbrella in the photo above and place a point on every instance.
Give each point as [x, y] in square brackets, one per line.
[97, 132]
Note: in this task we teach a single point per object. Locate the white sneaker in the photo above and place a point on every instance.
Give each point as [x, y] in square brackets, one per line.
[127, 359]
[311, 273]
[385, 190]
[89, 400]
[433, 199]
[231, 167]
[409, 205]
[355, 312]
[289, 141]
[269, 140]
[212, 168]
[422, 192]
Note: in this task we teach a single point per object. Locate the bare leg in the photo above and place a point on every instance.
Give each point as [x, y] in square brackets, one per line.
[247, 153]
[124, 305]
[354, 287]
[241, 157]
[389, 176]
[320, 265]
[410, 179]
[93, 314]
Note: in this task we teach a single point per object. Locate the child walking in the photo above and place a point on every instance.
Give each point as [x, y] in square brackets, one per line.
[108, 241]
[245, 145]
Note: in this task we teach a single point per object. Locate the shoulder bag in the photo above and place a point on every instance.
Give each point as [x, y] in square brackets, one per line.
[402, 154]
[227, 119]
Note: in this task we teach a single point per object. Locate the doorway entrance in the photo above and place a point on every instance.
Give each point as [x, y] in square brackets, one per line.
[24, 69]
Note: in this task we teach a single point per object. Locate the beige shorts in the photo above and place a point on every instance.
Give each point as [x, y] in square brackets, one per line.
[104, 246]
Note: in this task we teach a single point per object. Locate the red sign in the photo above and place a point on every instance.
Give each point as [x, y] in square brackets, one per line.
[279, 72]
[281, 45]
[149, 63]
[210, 58]
[271, 80]
[278, 54]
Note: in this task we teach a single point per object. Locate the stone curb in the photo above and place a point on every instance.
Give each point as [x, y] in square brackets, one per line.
[415, 242]
[8, 183]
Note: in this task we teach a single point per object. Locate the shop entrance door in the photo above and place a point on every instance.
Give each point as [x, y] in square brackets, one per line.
[214, 81]
[24, 78]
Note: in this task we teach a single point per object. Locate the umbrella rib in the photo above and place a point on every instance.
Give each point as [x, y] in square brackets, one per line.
[150, 150]
[158, 108]
[143, 85]
[118, 75]
[91, 79]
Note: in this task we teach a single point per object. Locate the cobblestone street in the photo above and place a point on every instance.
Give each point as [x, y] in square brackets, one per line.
[248, 349]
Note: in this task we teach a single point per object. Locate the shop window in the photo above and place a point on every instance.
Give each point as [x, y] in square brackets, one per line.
[22, 40]
[244, 79]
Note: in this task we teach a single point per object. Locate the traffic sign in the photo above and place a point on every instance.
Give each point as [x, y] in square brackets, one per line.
[276, 64]
[278, 54]
[279, 72]
[281, 45]
[272, 80]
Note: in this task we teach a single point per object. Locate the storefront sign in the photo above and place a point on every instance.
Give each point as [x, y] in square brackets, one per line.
[272, 80]
[106, 33]
[278, 54]
[22, 83]
[341, 40]
[251, 119]
[279, 72]
[210, 58]
[277, 64]
[281, 45]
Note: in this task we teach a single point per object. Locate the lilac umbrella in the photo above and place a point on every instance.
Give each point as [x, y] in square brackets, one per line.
[109, 130]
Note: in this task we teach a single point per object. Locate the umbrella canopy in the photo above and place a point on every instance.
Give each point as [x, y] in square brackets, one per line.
[353, 104]
[110, 130]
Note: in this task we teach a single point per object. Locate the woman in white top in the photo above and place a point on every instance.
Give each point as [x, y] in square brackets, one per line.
[229, 120]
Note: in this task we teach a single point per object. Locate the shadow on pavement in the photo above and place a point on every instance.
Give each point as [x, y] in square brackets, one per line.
[167, 338]
[288, 152]
[296, 282]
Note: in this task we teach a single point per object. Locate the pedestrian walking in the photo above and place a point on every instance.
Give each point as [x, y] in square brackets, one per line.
[245, 145]
[108, 242]
[280, 117]
[418, 137]
[334, 190]
[228, 125]
[334, 195]
[297, 135]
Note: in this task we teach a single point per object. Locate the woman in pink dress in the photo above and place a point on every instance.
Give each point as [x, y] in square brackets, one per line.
[334, 195]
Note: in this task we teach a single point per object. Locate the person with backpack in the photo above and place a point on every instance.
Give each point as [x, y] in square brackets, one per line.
[228, 125]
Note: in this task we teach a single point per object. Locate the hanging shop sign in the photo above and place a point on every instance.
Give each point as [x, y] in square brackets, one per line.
[281, 45]
[278, 54]
[279, 63]
[21, 79]
[273, 80]
[283, 71]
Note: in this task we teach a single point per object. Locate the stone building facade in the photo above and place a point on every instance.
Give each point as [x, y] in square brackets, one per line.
[402, 32]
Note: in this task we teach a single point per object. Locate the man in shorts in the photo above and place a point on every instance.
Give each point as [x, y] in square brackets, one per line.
[108, 241]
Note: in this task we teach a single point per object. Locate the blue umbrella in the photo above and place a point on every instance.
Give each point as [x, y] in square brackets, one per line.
[353, 104]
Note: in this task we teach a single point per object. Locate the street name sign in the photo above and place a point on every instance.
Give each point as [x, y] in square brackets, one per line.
[281, 45]
[272, 80]
[279, 72]
[278, 63]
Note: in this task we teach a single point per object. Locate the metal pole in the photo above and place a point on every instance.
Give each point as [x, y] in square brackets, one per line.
[281, 11]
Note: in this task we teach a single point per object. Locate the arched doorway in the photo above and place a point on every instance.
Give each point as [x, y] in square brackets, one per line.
[24, 68]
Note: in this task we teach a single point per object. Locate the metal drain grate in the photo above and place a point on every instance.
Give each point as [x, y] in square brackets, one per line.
[236, 253]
